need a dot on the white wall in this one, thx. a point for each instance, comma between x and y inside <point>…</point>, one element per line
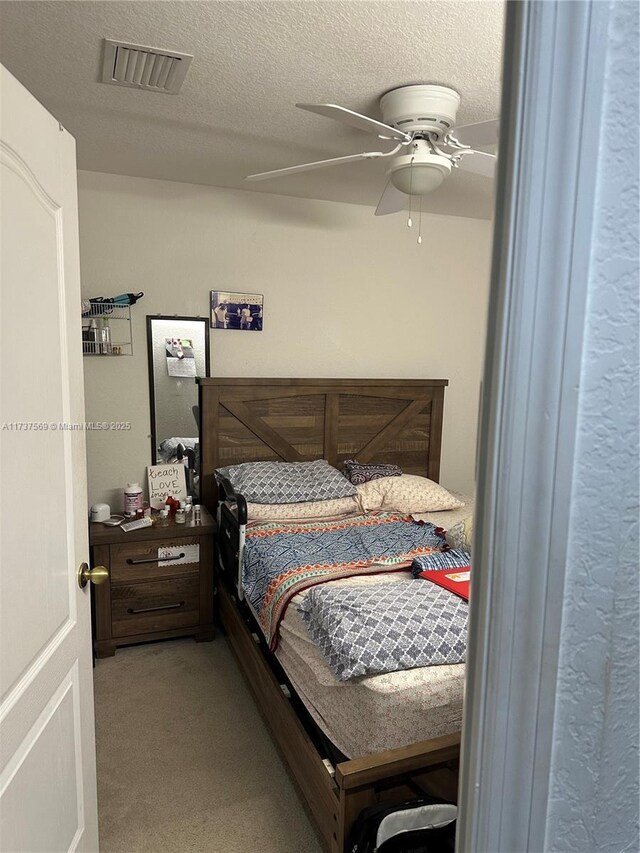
<point>593,797</point>
<point>346,295</point>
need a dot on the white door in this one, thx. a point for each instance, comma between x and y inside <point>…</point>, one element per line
<point>47,751</point>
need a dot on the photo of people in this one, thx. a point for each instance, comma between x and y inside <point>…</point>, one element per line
<point>239,311</point>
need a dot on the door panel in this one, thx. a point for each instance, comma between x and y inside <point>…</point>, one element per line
<point>32,395</point>
<point>47,770</point>
<point>45,784</point>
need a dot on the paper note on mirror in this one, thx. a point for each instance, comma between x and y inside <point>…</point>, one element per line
<point>176,555</point>
<point>181,367</point>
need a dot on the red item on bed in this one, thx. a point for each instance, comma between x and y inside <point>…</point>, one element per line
<point>456,581</point>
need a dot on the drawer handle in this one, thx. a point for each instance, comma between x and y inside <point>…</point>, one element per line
<point>181,556</point>
<point>153,609</point>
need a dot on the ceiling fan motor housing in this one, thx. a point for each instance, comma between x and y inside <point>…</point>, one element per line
<point>422,108</point>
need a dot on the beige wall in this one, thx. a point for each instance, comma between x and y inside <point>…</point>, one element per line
<point>346,295</point>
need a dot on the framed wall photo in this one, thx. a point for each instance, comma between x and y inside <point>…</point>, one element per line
<point>239,311</point>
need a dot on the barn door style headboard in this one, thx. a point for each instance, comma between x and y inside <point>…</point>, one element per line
<point>297,420</point>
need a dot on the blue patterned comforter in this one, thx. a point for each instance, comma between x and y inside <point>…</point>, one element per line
<point>283,558</point>
<point>366,630</point>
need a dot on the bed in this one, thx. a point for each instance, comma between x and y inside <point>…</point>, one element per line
<point>396,421</point>
<point>376,712</point>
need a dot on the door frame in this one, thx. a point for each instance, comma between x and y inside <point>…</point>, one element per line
<point>554,63</point>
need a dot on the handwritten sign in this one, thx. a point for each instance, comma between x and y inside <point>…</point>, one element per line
<point>165,481</point>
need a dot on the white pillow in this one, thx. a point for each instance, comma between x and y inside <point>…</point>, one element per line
<point>461,534</point>
<point>408,493</point>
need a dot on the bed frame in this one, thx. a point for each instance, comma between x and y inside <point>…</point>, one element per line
<point>296,420</point>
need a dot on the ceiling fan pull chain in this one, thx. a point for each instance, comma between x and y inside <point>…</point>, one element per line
<point>420,222</point>
<point>409,220</point>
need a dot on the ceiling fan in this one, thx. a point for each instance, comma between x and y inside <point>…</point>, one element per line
<point>421,120</point>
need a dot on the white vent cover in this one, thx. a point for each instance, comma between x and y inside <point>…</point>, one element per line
<point>140,67</point>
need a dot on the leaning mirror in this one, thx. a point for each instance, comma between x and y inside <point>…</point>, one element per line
<point>178,349</point>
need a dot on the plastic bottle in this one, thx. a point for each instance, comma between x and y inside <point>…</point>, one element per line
<point>197,514</point>
<point>133,500</point>
<point>94,336</point>
<point>106,337</point>
<point>187,506</point>
<point>163,518</point>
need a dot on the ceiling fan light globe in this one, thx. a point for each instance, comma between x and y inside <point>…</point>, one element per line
<point>420,178</point>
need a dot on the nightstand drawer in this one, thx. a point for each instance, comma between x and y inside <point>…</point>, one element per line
<point>139,561</point>
<point>155,606</point>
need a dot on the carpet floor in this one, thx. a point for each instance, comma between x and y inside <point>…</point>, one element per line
<point>185,763</point>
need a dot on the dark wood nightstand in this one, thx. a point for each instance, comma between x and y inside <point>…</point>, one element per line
<point>153,593</point>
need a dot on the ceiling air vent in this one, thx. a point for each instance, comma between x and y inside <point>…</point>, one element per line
<point>140,67</point>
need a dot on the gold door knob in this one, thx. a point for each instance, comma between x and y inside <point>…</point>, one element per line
<point>98,575</point>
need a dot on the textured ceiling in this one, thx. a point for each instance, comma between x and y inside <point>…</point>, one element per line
<point>252,62</point>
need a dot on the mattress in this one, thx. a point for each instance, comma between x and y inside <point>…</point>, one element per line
<point>373,713</point>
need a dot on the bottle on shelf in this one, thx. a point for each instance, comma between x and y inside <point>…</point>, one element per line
<point>94,336</point>
<point>106,337</point>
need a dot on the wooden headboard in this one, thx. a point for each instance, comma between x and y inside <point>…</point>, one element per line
<point>295,420</point>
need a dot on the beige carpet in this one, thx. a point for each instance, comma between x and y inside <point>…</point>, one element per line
<point>185,763</point>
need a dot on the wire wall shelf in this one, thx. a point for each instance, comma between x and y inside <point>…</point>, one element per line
<point>112,348</point>
<point>106,330</point>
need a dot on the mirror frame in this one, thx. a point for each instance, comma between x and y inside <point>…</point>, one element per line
<point>152,394</point>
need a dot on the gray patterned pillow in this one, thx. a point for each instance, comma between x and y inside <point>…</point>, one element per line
<point>363,472</point>
<point>288,482</point>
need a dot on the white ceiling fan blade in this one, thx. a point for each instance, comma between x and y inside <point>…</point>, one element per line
<point>482,133</point>
<point>318,164</point>
<point>479,163</point>
<point>392,200</point>
<point>346,116</point>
